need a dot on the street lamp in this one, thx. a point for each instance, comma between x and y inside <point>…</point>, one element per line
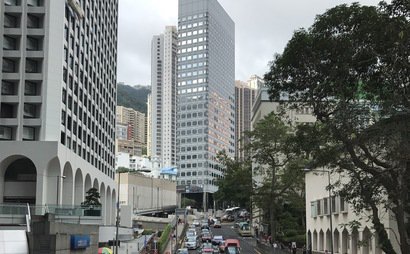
<point>330,203</point>
<point>58,187</point>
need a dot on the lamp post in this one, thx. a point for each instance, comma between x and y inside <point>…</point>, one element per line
<point>117,223</point>
<point>330,204</point>
<point>58,187</point>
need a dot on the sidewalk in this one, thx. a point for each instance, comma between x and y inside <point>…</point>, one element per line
<point>171,245</point>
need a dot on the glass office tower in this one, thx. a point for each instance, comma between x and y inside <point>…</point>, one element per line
<point>206,90</point>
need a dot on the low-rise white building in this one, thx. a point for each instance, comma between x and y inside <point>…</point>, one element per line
<point>345,239</point>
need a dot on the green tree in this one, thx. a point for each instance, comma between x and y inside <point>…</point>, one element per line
<point>277,164</point>
<point>235,188</point>
<point>352,68</point>
<point>92,198</point>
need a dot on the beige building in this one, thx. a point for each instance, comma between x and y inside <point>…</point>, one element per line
<point>245,93</point>
<point>261,108</point>
<point>136,136</point>
<point>141,193</point>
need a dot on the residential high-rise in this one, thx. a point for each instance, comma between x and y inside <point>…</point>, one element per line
<point>245,93</point>
<point>57,103</point>
<point>206,91</point>
<point>163,96</point>
<point>136,130</point>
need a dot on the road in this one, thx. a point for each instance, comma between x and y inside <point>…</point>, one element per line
<point>248,244</point>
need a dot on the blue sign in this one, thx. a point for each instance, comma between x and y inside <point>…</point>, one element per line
<point>79,242</point>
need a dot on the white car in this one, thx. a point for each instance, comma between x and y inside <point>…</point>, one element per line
<point>196,223</point>
<point>192,242</point>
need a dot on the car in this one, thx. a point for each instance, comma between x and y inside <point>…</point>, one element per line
<point>191,232</point>
<point>232,250</point>
<point>232,243</point>
<point>183,251</point>
<point>192,242</point>
<point>206,237</point>
<point>217,240</point>
<point>204,224</point>
<point>217,224</point>
<point>244,229</point>
<point>196,223</point>
<point>208,248</point>
<point>205,230</point>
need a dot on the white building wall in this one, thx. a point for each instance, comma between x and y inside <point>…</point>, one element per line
<point>344,239</point>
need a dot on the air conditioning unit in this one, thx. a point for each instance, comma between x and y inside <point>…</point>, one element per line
<point>76,7</point>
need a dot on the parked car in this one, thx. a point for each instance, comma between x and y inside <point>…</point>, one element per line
<point>192,242</point>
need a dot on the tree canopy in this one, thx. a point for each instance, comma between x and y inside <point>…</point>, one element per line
<point>352,67</point>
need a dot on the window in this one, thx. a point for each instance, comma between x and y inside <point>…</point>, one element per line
<point>343,205</point>
<point>325,206</point>
<point>10,65</point>
<point>34,2</point>
<point>5,133</point>
<point>34,21</point>
<point>8,110</point>
<point>30,111</point>
<point>34,43</point>
<point>10,43</point>
<point>319,207</point>
<point>12,2</point>
<point>334,208</point>
<point>33,65</point>
<point>28,133</point>
<point>31,88</point>
<point>8,88</point>
<point>11,21</point>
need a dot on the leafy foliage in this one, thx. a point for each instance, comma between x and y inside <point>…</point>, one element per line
<point>133,97</point>
<point>236,187</point>
<point>281,169</point>
<point>352,68</point>
<point>92,198</point>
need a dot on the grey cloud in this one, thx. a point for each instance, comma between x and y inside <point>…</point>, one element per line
<point>263,28</point>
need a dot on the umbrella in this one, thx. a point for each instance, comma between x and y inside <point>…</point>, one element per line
<point>104,250</point>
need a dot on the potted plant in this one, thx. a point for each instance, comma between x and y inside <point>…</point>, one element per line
<point>92,199</point>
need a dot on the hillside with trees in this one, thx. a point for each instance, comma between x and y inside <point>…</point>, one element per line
<point>133,97</point>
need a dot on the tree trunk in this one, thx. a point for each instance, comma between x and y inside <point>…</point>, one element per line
<point>272,205</point>
<point>384,241</point>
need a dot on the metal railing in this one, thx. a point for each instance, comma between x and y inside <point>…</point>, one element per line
<point>58,210</point>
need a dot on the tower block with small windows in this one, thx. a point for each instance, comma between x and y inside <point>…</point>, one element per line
<point>57,102</point>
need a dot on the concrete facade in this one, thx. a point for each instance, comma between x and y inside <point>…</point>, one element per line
<point>57,103</point>
<point>345,239</point>
<point>141,193</point>
<point>163,96</point>
<point>49,236</point>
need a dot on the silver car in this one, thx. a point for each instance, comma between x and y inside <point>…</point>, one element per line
<point>192,242</point>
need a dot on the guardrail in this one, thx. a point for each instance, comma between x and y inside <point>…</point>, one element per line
<point>58,210</point>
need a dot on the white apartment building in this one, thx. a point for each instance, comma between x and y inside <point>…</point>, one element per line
<point>57,102</point>
<point>163,96</point>
<point>345,239</point>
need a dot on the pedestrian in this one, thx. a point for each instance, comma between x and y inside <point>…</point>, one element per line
<point>304,249</point>
<point>256,232</point>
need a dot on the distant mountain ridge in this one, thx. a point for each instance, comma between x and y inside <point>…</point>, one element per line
<point>133,97</point>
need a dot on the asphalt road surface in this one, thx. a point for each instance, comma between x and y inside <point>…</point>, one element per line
<point>248,244</point>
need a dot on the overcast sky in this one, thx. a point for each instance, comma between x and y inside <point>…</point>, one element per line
<point>263,28</point>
